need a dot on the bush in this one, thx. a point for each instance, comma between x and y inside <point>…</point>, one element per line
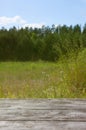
<point>76,73</point>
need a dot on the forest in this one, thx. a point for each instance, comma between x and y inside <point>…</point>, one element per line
<point>46,43</point>
<point>47,62</point>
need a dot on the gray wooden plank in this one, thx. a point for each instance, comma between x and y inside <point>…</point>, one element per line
<point>37,115</point>
<point>51,104</point>
<point>42,114</point>
<point>41,125</point>
<point>43,109</point>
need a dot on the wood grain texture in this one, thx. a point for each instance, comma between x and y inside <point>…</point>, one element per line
<point>41,125</point>
<point>42,114</point>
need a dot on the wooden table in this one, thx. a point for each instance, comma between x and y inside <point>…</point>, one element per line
<point>42,114</point>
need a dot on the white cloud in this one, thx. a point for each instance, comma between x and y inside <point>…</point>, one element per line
<point>11,20</point>
<point>33,25</point>
<point>18,21</point>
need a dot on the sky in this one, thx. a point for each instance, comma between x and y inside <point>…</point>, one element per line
<point>36,13</point>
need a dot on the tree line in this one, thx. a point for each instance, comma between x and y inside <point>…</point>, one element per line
<point>46,43</point>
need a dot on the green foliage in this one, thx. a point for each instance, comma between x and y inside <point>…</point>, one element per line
<point>75,73</point>
<point>47,44</point>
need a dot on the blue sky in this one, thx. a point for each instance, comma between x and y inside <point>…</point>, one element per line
<point>42,12</point>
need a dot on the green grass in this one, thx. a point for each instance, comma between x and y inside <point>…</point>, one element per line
<point>65,79</point>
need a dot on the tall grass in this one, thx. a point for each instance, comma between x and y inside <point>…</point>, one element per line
<point>76,75</point>
<point>64,79</point>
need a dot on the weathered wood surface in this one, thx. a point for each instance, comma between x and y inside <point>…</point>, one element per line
<point>42,114</point>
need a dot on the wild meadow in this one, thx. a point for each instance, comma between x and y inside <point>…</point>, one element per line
<point>47,62</point>
<point>63,79</point>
